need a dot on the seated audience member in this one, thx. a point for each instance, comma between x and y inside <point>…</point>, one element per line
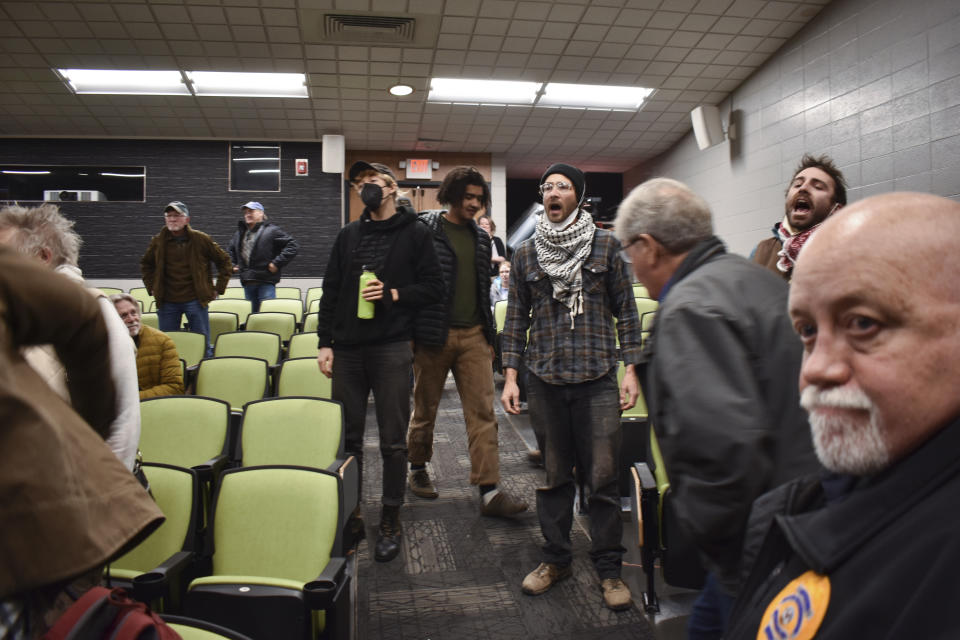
<point>869,550</point>
<point>721,381</point>
<point>158,363</point>
<point>43,233</point>
<point>67,505</point>
<point>500,286</point>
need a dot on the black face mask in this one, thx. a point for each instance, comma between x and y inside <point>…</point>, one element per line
<point>372,195</point>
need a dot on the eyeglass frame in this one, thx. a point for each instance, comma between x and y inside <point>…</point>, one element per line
<point>554,185</point>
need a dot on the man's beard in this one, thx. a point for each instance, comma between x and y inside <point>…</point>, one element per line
<point>844,441</point>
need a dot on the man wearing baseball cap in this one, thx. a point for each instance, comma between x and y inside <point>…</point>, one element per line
<point>363,354</point>
<point>176,272</point>
<point>568,283</point>
<point>259,249</point>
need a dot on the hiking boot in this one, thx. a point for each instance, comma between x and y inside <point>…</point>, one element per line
<point>502,505</point>
<point>421,485</point>
<point>389,535</point>
<point>616,594</point>
<point>543,577</point>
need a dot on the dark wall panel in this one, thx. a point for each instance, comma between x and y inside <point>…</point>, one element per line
<point>116,234</point>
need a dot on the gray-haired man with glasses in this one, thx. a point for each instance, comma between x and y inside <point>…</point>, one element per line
<point>176,272</point>
<point>567,284</point>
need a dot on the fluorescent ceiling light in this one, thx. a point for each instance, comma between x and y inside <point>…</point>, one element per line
<point>26,173</point>
<point>482,91</point>
<point>253,159</point>
<point>256,85</point>
<point>121,175</point>
<point>596,96</point>
<point>263,171</point>
<point>401,90</point>
<point>97,81</point>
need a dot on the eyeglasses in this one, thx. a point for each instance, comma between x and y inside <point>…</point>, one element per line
<point>562,187</point>
<point>173,214</point>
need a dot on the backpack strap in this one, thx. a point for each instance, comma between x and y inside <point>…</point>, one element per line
<point>82,614</point>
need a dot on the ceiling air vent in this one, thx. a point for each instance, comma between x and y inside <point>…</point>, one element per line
<point>337,26</point>
<point>365,28</point>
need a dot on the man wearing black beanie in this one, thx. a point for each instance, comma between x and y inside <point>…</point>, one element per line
<point>567,284</point>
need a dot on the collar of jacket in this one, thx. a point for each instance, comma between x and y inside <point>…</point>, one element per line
<point>875,505</point>
<point>404,216</point>
<point>167,234</point>
<point>434,220</point>
<point>242,226</point>
<point>702,252</point>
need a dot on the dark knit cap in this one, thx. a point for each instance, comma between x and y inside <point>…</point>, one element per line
<point>575,175</point>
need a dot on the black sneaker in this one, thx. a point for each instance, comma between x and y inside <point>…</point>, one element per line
<point>389,535</point>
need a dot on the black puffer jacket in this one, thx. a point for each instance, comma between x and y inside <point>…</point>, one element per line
<point>273,244</point>
<point>433,322</point>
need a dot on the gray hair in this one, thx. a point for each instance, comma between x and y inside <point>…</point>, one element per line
<point>117,297</point>
<point>667,210</point>
<point>43,227</point>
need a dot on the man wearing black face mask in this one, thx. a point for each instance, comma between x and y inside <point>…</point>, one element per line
<point>375,354</point>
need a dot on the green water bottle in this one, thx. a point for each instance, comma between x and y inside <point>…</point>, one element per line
<point>365,307</point>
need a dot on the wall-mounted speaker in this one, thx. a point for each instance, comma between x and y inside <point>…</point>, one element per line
<point>707,127</point>
<point>334,153</point>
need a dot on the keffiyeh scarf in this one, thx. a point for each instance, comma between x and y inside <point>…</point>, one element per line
<point>562,254</point>
<point>792,244</point>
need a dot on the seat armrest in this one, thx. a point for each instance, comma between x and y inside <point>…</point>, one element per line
<point>349,473</point>
<point>323,591</point>
<point>212,468</point>
<point>149,586</point>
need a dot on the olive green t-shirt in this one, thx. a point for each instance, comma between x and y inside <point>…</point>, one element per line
<point>465,312</point>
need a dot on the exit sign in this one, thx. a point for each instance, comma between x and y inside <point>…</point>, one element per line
<point>419,169</point>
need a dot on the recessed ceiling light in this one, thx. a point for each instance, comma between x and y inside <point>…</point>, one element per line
<point>595,96</point>
<point>401,90</point>
<point>119,81</point>
<point>482,91</point>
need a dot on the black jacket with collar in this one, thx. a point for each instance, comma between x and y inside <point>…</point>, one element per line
<point>888,547</point>
<point>409,265</point>
<point>273,244</point>
<point>433,325</point>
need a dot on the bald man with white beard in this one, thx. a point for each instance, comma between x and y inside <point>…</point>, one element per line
<point>869,550</point>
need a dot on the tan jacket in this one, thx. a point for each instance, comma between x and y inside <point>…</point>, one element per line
<point>158,364</point>
<point>66,503</point>
<point>767,254</point>
<point>203,251</point>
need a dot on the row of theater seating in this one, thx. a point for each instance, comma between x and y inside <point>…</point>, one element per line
<point>255,537</point>
<point>148,304</point>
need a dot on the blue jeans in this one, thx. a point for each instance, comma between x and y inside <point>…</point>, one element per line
<point>580,424</point>
<point>385,370</point>
<point>256,292</point>
<point>169,313</point>
<point>711,612</point>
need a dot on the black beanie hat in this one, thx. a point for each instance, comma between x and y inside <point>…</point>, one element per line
<point>576,178</point>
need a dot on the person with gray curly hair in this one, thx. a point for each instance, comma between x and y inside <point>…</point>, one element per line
<point>44,234</point>
<point>721,380</point>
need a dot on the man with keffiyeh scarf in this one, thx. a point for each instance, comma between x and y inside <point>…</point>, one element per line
<point>567,284</point>
<point>818,189</point>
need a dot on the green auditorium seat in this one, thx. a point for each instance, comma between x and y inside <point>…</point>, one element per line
<point>249,344</point>
<point>144,298</point>
<point>233,293</point>
<point>281,323</point>
<point>284,305</point>
<point>659,535</point>
<point>159,568</point>
<point>193,629</point>
<point>279,570</point>
<point>303,345</point>
<point>241,307</point>
<point>302,377</point>
<point>310,322</point>
<point>191,346</point>
<point>233,379</point>
<point>290,293</point>
<point>222,322</point>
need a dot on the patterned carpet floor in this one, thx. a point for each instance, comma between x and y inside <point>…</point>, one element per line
<point>458,575</point>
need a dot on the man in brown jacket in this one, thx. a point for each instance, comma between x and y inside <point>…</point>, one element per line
<point>817,190</point>
<point>176,272</point>
<point>158,363</point>
<point>67,504</point>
